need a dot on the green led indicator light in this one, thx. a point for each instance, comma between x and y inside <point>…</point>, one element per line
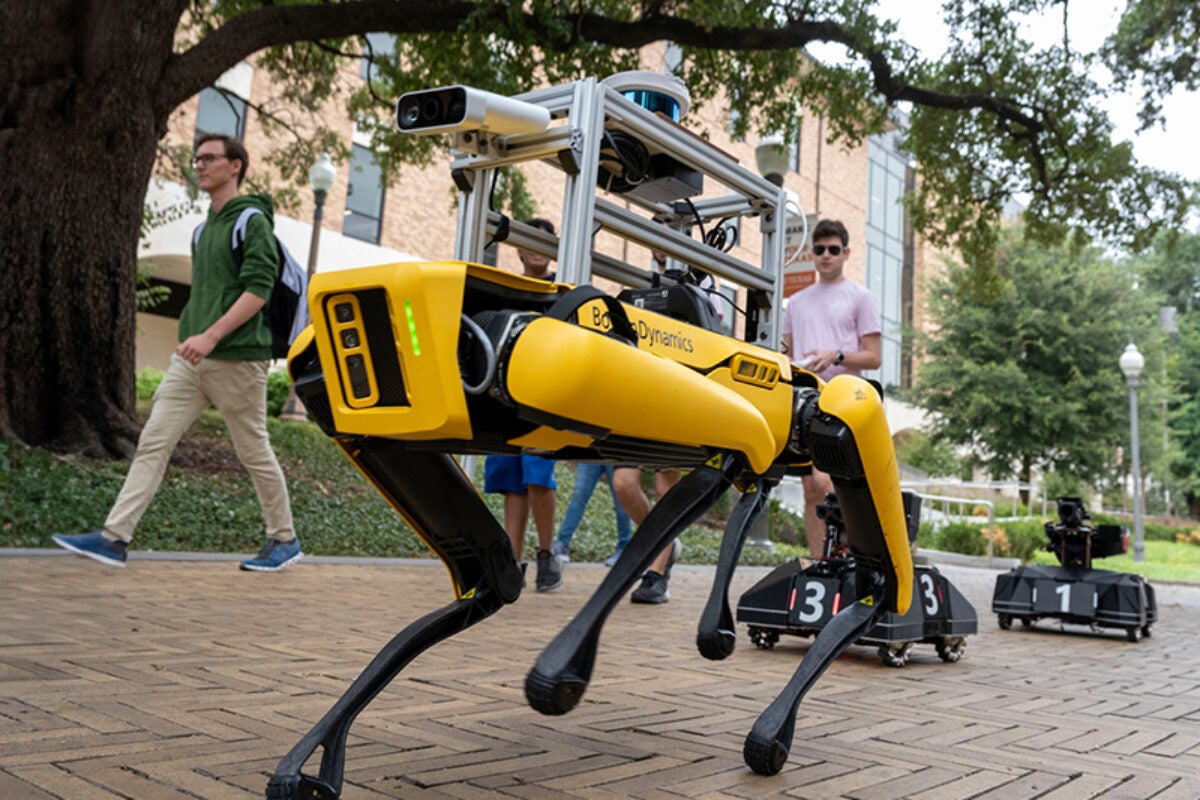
<point>412,328</point>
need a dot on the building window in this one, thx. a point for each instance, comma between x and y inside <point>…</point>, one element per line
<point>220,112</point>
<point>364,197</point>
<point>673,60</point>
<point>889,259</point>
<point>378,46</point>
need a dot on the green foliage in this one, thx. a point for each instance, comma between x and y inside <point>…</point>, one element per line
<point>1025,374</point>
<point>336,511</point>
<point>278,386</point>
<point>993,117</point>
<point>962,537</point>
<point>1171,274</point>
<point>1025,537</point>
<point>1061,482</point>
<point>148,379</point>
<point>923,451</point>
<point>1155,44</point>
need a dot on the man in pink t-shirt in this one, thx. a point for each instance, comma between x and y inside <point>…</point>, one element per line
<point>830,328</point>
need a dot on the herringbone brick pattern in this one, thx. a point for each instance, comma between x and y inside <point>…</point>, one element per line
<point>175,679</point>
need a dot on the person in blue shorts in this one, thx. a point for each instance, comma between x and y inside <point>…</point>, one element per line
<point>527,482</point>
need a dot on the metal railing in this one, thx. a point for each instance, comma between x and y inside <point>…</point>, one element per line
<point>949,503</point>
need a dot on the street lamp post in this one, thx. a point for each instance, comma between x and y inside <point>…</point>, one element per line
<point>321,176</point>
<point>771,157</point>
<point>1132,363</point>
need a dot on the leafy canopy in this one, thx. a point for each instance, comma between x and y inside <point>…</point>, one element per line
<point>1025,375</point>
<point>994,118</point>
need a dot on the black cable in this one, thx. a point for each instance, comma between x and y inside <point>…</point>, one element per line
<point>625,160</point>
<point>502,227</point>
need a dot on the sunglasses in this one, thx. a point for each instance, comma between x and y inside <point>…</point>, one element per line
<point>834,249</point>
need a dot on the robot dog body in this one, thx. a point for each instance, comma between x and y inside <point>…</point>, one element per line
<point>407,363</point>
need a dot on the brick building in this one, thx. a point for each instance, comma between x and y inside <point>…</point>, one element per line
<point>413,216</point>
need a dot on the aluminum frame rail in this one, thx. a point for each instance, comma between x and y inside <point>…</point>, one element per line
<point>581,112</point>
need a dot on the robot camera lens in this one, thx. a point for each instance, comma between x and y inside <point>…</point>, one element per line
<point>431,109</point>
<point>344,312</point>
<point>410,112</point>
<point>350,339</point>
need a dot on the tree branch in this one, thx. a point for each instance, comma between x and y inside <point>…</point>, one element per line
<point>277,25</point>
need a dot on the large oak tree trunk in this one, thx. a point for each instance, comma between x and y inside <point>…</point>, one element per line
<point>77,143</point>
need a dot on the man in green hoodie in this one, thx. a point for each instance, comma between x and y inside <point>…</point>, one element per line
<point>222,361</point>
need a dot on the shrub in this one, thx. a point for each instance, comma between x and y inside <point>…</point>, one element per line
<point>784,525</point>
<point>278,386</point>
<point>959,537</point>
<point>1191,537</point>
<point>148,379</point>
<point>1025,537</point>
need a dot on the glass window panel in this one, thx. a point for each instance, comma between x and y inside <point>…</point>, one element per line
<point>890,307</point>
<point>219,112</point>
<point>381,45</point>
<point>364,199</point>
<point>895,192</point>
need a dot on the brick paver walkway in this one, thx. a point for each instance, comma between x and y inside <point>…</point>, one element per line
<point>178,679</point>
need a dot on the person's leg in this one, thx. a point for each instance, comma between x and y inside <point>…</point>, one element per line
<point>516,518</point>
<point>178,400</point>
<point>541,506</point>
<point>627,485</point>
<point>502,475</point>
<point>239,391</point>
<point>624,524</point>
<point>538,474</point>
<point>664,481</point>
<point>586,476</point>
<point>816,486</point>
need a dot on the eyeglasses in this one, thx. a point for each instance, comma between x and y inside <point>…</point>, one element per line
<point>207,159</point>
<point>834,249</point>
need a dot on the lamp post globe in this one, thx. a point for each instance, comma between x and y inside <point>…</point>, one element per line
<point>1132,362</point>
<point>771,157</point>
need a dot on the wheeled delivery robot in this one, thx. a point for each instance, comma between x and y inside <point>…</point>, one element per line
<point>1075,593</point>
<point>800,601</point>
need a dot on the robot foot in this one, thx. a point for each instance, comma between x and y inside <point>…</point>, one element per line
<point>767,745</point>
<point>715,635</point>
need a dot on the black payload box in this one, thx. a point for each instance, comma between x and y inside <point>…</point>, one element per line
<point>1074,592</point>
<point>800,601</point>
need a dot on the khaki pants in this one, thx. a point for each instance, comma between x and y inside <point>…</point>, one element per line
<point>238,389</point>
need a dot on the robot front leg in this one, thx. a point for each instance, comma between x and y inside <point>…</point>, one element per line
<point>444,509</point>
<point>715,636</point>
<point>330,734</point>
<point>561,674</point>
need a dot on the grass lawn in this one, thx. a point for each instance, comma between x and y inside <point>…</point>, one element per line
<point>207,504</point>
<point>1165,561</point>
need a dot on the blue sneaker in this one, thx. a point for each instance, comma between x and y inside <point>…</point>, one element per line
<point>275,556</point>
<point>93,544</point>
<point>608,562</point>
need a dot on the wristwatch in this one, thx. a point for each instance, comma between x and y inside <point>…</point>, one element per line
<point>840,357</point>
